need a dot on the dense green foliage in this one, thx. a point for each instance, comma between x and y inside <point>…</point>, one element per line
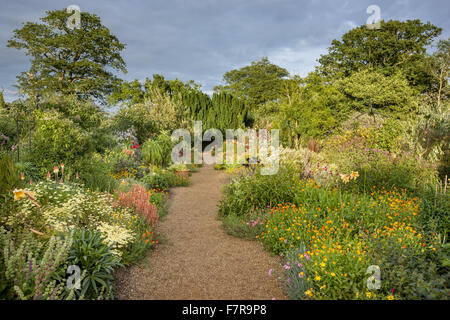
<point>259,83</point>
<point>69,61</point>
<point>363,175</point>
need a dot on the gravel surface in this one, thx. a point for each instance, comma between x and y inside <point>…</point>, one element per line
<point>199,261</point>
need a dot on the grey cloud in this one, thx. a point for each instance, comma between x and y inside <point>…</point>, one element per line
<point>203,39</point>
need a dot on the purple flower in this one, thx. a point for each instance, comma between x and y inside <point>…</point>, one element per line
<point>270,272</point>
<point>13,147</point>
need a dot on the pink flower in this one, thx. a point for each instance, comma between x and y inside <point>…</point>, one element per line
<point>270,272</point>
<point>274,298</point>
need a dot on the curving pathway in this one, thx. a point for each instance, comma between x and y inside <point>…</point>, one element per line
<point>199,261</point>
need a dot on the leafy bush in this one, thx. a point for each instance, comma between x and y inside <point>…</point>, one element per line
<point>29,171</point>
<point>95,174</point>
<point>256,191</point>
<point>164,179</point>
<point>97,262</point>
<point>377,167</point>
<point>165,141</point>
<point>435,213</point>
<point>58,140</point>
<point>9,180</point>
<point>152,153</point>
<point>248,227</point>
<point>31,269</point>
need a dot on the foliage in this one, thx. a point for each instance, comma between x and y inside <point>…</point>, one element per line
<point>57,140</point>
<point>364,151</point>
<point>158,111</point>
<point>222,111</point>
<point>372,92</point>
<point>152,153</point>
<point>164,179</point>
<point>428,134</point>
<point>256,191</point>
<point>9,180</point>
<point>90,254</point>
<point>248,227</point>
<point>31,269</point>
<point>395,46</point>
<point>69,61</point>
<point>258,83</point>
<point>312,108</point>
<point>342,234</point>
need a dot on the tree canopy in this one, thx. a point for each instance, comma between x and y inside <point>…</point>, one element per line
<point>395,46</point>
<point>258,83</point>
<point>78,61</point>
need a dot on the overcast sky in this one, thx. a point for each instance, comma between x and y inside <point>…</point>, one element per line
<point>203,39</point>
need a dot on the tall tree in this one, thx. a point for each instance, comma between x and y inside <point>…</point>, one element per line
<point>78,61</point>
<point>258,83</point>
<point>440,69</point>
<point>396,45</point>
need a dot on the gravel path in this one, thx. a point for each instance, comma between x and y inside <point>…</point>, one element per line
<point>199,260</point>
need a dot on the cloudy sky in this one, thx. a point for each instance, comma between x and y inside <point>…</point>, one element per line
<point>203,39</point>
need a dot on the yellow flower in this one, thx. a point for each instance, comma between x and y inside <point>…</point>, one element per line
<point>18,194</point>
<point>318,278</point>
<point>21,193</point>
<point>368,294</point>
<point>322,265</point>
<point>345,178</point>
<point>354,175</point>
<point>390,297</point>
<point>333,274</point>
<point>309,293</point>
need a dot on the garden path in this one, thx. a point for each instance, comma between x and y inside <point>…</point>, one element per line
<point>199,260</point>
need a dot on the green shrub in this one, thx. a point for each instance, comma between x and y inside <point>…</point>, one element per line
<point>256,191</point>
<point>29,170</point>
<point>94,174</point>
<point>58,140</point>
<point>9,180</point>
<point>248,227</point>
<point>164,179</point>
<point>95,259</point>
<point>413,274</point>
<point>32,269</point>
<point>165,141</point>
<point>378,167</point>
<point>152,153</point>
<point>435,210</point>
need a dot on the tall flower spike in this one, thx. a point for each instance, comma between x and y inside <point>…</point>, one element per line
<point>55,171</point>
<point>48,175</point>
<point>22,176</point>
